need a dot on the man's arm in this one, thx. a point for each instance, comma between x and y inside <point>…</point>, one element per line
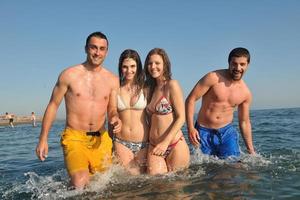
<point>49,116</point>
<point>112,112</point>
<point>245,123</point>
<point>198,91</point>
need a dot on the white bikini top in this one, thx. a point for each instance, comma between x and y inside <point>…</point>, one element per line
<point>140,104</point>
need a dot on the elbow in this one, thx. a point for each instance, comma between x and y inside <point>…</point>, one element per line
<point>181,119</point>
<point>187,101</point>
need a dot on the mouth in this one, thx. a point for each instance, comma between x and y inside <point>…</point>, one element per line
<point>129,75</point>
<point>236,74</point>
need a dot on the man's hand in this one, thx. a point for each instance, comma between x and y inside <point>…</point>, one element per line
<point>42,150</point>
<point>116,124</point>
<point>194,136</point>
<point>251,151</point>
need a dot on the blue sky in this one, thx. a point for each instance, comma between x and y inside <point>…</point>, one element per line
<point>38,39</point>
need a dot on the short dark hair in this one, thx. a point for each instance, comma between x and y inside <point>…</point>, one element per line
<point>95,34</point>
<point>239,52</point>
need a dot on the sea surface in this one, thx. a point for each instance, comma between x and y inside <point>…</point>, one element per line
<point>274,173</point>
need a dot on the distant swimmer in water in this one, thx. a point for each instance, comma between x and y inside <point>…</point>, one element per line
<point>87,89</point>
<point>221,92</point>
<point>33,119</point>
<point>10,118</point>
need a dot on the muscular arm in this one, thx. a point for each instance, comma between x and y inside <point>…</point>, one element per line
<point>198,91</point>
<point>49,116</point>
<point>112,112</point>
<point>245,123</point>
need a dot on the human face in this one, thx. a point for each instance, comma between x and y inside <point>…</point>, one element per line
<point>237,67</point>
<point>96,51</point>
<point>129,68</point>
<point>156,66</point>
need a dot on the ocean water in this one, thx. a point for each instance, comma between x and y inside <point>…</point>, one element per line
<point>273,174</point>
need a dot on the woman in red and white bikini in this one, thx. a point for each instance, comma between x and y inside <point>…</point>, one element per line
<point>168,150</point>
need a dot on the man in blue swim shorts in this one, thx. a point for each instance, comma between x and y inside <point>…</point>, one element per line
<point>221,92</point>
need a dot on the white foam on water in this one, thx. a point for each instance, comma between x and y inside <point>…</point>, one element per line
<point>56,186</point>
<point>247,160</point>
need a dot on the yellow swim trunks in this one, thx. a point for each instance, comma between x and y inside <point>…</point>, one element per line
<point>86,152</point>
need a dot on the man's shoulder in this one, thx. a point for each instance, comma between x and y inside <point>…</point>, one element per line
<point>69,70</point>
<point>110,75</point>
<point>213,76</point>
<point>70,73</point>
<point>72,69</point>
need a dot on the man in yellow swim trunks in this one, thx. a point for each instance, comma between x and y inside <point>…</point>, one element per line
<point>88,92</point>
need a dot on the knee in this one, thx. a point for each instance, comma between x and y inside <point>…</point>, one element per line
<point>79,181</point>
<point>157,170</point>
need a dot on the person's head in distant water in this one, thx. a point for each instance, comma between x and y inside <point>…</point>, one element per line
<point>96,48</point>
<point>130,68</point>
<point>238,60</point>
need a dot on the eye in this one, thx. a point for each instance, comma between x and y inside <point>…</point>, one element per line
<point>92,47</point>
<point>124,67</point>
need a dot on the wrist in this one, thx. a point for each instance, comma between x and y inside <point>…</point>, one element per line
<point>251,151</point>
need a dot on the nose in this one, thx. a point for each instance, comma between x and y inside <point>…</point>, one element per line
<point>97,52</point>
<point>151,65</point>
<point>237,67</point>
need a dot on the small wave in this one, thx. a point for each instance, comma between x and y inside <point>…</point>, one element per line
<point>247,160</point>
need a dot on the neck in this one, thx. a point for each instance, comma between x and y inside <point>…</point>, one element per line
<point>129,83</point>
<point>89,67</point>
<point>160,81</point>
<point>131,88</point>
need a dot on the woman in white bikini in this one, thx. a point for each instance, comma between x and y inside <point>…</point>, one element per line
<point>168,150</point>
<point>131,144</point>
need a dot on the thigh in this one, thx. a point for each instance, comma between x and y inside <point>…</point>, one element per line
<point>123,154</point>
<point>206,142</point>
<point>230,144</point>
<point>101,158</point>
<point>179,157</point>
<point>75,157</point>
<point>156,164</point>
<point>141,157</point>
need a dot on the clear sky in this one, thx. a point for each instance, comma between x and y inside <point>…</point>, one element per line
<point>38,39</point>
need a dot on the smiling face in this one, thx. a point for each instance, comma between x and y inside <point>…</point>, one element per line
<point>129,69</point>
<point>156,66</point>
<point>96,51</point>
<point>237,67</point>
